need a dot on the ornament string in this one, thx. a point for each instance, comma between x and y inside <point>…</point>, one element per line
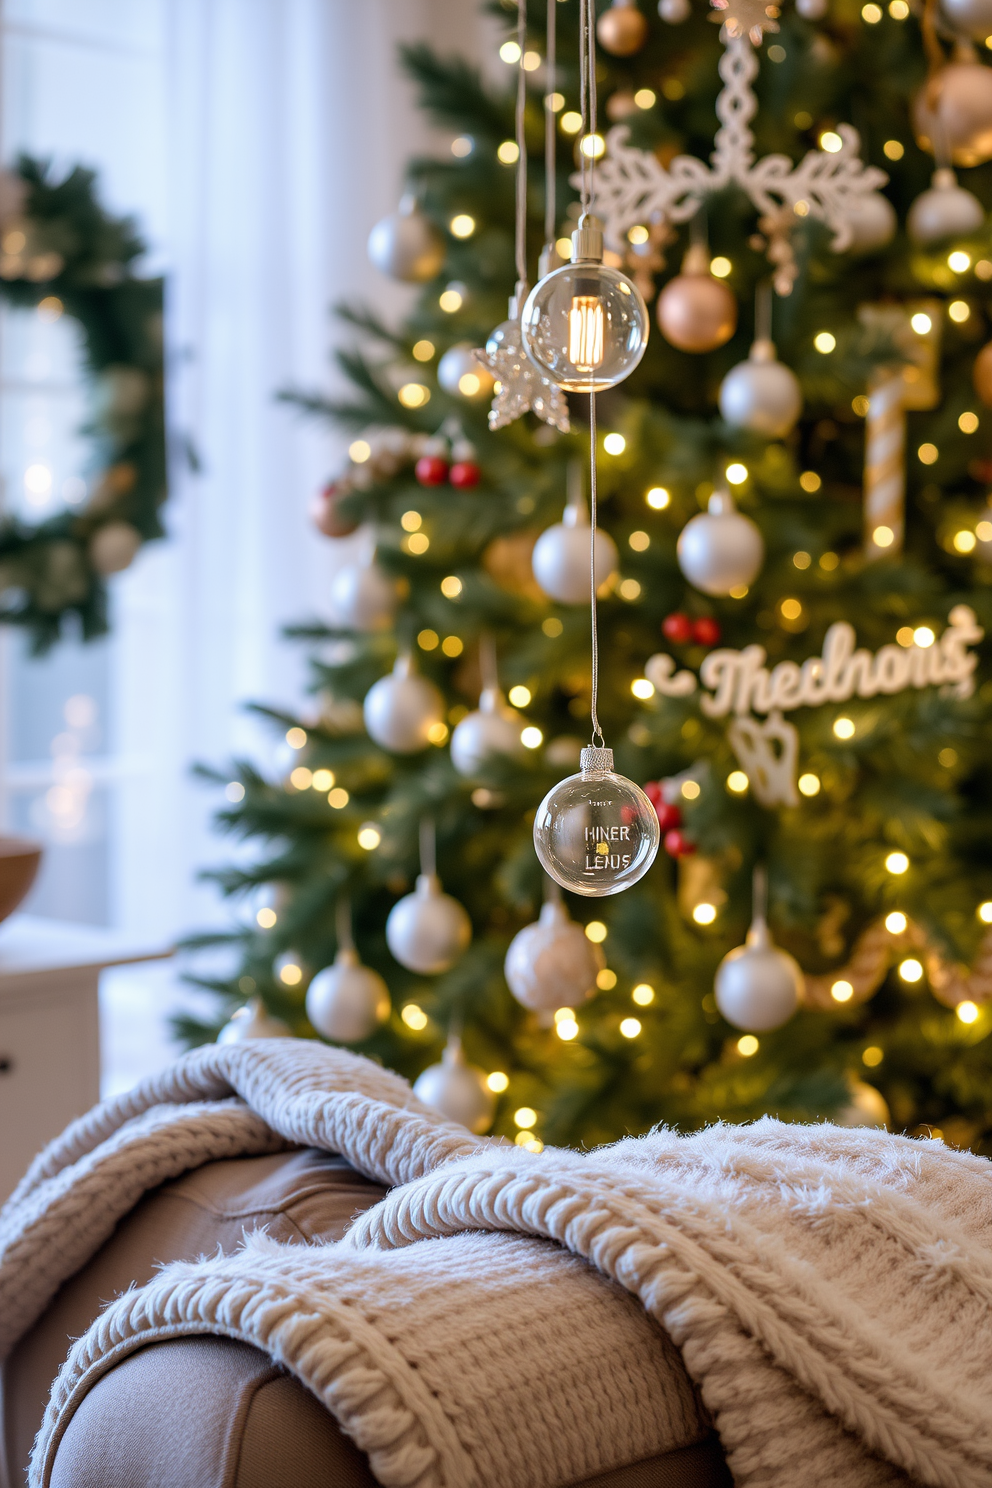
<point>342,923</point>
<point>597,733</point>
<point>521,223</point>
<point>550,139</point>
<point>759,894</point>
<point>763,311</point>
<point>428,848</point>
<point>587,104</point>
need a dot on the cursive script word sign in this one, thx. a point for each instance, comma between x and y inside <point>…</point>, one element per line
<point>739,682</point>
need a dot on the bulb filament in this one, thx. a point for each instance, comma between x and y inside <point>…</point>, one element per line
<point>586,332</point>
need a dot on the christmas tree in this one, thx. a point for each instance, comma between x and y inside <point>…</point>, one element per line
<point>794,556</point>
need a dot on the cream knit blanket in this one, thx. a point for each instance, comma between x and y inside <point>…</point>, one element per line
<point>830,1290</point>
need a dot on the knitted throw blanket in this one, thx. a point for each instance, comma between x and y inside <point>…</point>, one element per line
<point>830,1290</point>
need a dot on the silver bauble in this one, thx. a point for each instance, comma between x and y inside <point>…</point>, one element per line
<point>492,729</point>
<point>952,112</point>
<point>720,549</point>
<point>867,1107</point>
<point>346,1002</point>
<point>552,963</point>
<point>944,210</point>
<point>758,986</point>
<point>427,930</point>
<point>460,373</point>
<point>873,221</point>
<point>406,245</point>
<point>252,1022</point>
<point>969,17</point>
<point>674,12</point>
<point>761,394</point>
<point>362,597</point>
<point>402,709</point>
<point>812,10</point>
<point>560,560</point>
<point>113,546</point>
<point>458,1090</point>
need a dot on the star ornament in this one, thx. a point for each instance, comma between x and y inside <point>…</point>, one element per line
<point>750,17</point>
<point>520,388</point>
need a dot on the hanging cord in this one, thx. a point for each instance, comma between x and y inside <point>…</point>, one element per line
<point>763,311</point>
<point>759,893</point>
<point>587,84</point>
<point>521,224</point>
<point>428,848</point>
<point>342,921</point>
<point>597,733</point>
<point>488,668</point>
<point>550,138</point>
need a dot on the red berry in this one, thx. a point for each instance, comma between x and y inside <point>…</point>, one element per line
<point>669,817</point>
<point>654,792</point>
<point>677,845</point>
<point>431,470</point>
<point>706,631</point>
<point>465,474</point>
<point>677,628</point>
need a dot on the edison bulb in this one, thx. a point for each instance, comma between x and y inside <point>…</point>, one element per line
<point>596,833</point>
<point>585,326</point>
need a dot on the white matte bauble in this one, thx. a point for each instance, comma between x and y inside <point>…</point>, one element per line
<point>560,560</point>
<point>252,1022</point>
<point>812,10</point>
<point>873,221</point>
<point>113,547</point>
<point>674,12</point>
<point>402,709</point>
<point>460,373</point>
<point>867,1107</point>
<point>427,930</point>
<point>458,1090</point>
<point>969,17</point>
<point>492,729</point>
<point>953,109</point>
<point>944,210</point>
<point>720,549</point>
<point>346,1002</point>
<point>695,311</point>
<point>761,394</point>
<point>757,986</point>
<point>552,963</point>
<point>406,245</point>
<point>362,597</point>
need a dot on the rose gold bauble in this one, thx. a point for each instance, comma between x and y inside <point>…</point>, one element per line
<point>326,514</point>
<point>695,311</point>
<point>622,30</point>
<point>981,375</point>
<point>952,113</point>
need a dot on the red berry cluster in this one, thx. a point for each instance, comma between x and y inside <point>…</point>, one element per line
<point>434,470</point>
<point>674,840</point>
<point>680,629</point>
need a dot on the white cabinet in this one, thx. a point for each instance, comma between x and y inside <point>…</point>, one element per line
<point>50,1030</point>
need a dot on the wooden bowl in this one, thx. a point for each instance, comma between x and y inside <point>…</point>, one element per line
<point>19,859</point>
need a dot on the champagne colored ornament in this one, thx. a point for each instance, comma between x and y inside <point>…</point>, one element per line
<point>552,963</point>
<point>720,550</point>
<point>457,1089</point>
<point>981,374</point>
<point>674,12</point>
<point>873,222</point>
<point>562,553</point>
<point>428,931</point>
<point>362,597</point>
<point>972,18</point>
<point>252,1022</point>
<point>461,373</point>
<point>952,113</point>
<point>866,1107</point>
<point>596,833</point>
<point>944,210</point>
<point>762,394</point>
<point>406,245</point>
<point>326,514</point>
<point>113,547</point>
<point>493,729</point>
<point>695,311</point>
<point>757,986</point>
<point>402,709</point>
<point>623,29</point>
<point>346,1002</point>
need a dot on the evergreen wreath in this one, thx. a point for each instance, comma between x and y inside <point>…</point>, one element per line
<point>60,251</point>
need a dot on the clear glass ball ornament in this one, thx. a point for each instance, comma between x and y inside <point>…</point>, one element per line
<point>596,833</point>
<point>585,326</point>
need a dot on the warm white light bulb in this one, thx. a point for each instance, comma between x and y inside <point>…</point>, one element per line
<point>586,332</point>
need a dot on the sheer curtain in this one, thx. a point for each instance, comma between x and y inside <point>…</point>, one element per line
<point>287,124</point>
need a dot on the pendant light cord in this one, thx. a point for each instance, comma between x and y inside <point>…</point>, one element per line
<point>550,138</point>
<point>587,85</point>
<point>521,224</point>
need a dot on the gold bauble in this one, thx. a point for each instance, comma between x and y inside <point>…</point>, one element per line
<point>695,311</point>
<point>953,110</point>
<point>981,375</point>
<point>622,30</point>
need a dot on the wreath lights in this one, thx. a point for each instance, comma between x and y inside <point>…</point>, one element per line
<point>61,253</point>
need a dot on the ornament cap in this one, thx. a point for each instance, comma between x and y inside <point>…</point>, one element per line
<point>596,761</point>
<point>428,886</point>
<point>697,259</point>
<point>452,1055</point>
<point>553,912</point>
<point>943,179</point>
<point>762,350</point>
<point>347,956</point>
<point>549,260</point>
<point>587,240</point>
<point>720,503</point>
<point>515,303</point>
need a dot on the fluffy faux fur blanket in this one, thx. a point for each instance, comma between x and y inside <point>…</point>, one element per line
<point>830,1290</point>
